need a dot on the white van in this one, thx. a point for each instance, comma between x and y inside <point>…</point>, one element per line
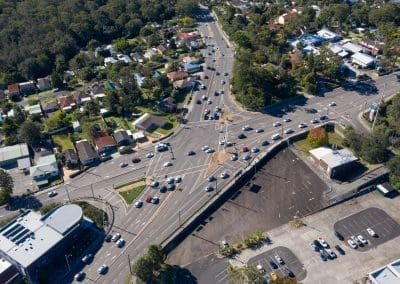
<point>276,136</point>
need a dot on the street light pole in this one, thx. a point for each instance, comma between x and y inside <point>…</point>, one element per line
<point>66,190</point>
<point>91,187</point>
<point>179,217</point>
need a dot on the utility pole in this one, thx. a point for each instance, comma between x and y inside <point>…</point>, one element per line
<point>130,265</point>
<point>179,217</point>
<point>379,104</point>
<point>91,187</point>
<point>66,190</point>
<point>282,129</point>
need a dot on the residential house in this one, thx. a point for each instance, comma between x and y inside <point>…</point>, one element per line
<point>124,58</point>
<point>139,79</point>
<point>49,107</point>
<point>109,61</point>
<point>104,143</point>
<point>13,91</point>
<point>148,122</point>
<point>285,17</point>
<point>34,110</point>
<point>71,158</point>
<point>138,136</point>
<point>137,56</point>
<point>177,75</point>
<point>328,35</point>
<point>187,37</point>
<point>97,91</point>
<point>168,104</point>
<point>43,84</point>
<point>81,97</point>
<point>161,49</point>
<point>110,49</point>
<point>10,155</point>
<point>150,53</point>
<point>190,60</point>
<point>66,103</point>
<point>27,88</point>
<point>187,83</point>
<point>375,47</point>
<point>156,74</point>
<point>191,68</point>
<point>76,126</point>
<point>45,171</point>
<point>353,48</point>
<point>86,153</point>
<point>122,137</point>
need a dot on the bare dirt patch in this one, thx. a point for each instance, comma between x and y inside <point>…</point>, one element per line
<point>217,159</point>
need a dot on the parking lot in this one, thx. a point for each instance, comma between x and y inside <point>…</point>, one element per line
<point>22,182</point>
<point>378,220</point>
<point>272,198</point>
<point>290,261</point>
<point>210,269</point>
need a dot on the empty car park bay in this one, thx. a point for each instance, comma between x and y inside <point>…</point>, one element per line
<point>385,227</point>
<point>282,188</point>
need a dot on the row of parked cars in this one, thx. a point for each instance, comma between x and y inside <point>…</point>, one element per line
<point>324,250</point>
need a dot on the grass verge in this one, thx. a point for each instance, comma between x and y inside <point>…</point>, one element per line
<point>63,141</point>
<point>131,194</point>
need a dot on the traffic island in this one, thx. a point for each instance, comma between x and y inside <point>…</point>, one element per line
<point>131,191</point>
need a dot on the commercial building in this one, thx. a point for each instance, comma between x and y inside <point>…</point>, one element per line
<point>329,35</point>
<point>389,274</point>
<point>335,163</point>
<point>10,155</point>
<point>32,241</point>
<point>363,60</point>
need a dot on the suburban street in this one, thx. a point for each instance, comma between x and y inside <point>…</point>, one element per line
<point>151,224</point>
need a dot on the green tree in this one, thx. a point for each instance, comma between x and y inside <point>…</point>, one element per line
<point>149,263</point>
<point>4,197</point>
<point>317,137</point>
<point>30,133</point>
<point>111,102</point>
<point>156,255</point>
<point>253,275</point>
<point>353,139</point>
<point>6,181</point>
<point>186,7</point>
<point>57,121</point>
<point>394,167</point>
<point>373,148</point>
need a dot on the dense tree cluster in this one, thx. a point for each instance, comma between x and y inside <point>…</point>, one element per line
<point>39,39</point>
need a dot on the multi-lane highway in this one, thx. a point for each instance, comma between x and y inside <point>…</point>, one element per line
<point>153,223</point>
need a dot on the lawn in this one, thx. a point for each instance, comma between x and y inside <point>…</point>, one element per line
<point>131,194</point>
<point>334,139</point>
<point>86,127</point>
<point>63,141</point>
<point>121,122</point>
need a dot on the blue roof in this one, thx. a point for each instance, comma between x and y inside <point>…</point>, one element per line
<point>308,39</point>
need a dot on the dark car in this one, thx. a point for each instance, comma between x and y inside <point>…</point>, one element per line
<point>191,153</point>
<point>340,250</point>
<point>107,238</point>
<point>163,189</point>
<point>339,236</point>
<point>323,255</point>
<point>217,73</point>
<point>171,187</point>
<point>136,160</point>
<point>318,244</point>
<point>216,93</point>
<point>198,102</point>
<point>149,199</point>
<point>241,136</point>
<point>288,272</point>
<point>323,117</point>
<point>273,264</point>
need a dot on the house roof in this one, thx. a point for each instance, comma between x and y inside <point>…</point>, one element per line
<point>85,150</point>
<point>66,101</point>
<point>177,75</point>
<point>146,120</point>
<point>70,155</point>
<point>81,97</point>
<point>327,34</point>
<point>13,88</point>
<point>333,158</point>
<point>188,36</point>
<point>104,141</point>
<point>43,83</point>
<point>14,152</point>
<point>49,105</point>
<point>362,59</point>
<point>35,109</point>
<point>121,135</point>
<point>44,165</point>
<point>353,48</point>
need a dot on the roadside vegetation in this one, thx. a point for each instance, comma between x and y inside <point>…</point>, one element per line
<point>250,241</point>
<point>6,186</point>
<point>318,137</point>
<point>97,215</point>
<point>130,195</point>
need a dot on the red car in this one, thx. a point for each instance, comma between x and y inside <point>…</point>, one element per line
<point>205,77</point>
<point>245,149</point>
<point>136,160</point>
<point>149,199</point>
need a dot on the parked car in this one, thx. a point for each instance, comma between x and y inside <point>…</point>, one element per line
<point>123,165</point>
<point>102,269</point>
<point>287,272</point>
<point>224,175</point>
<point>154,184</point>
<point>211,178</point>
<point>352,244</point>
<point>210,150</point>
<point>371,232</point>
<point>209,188</point>
<point>276,136</point>
<point>323,117</point>
<point>246,128</point>
<point>204,148</point>
<point>276,124</point>
<point>178,179</point>
<point>234,157</point>
<point>302,125</point>
<point>323,243</point>
<point>246,157</point>
<point>138,204</point>
<point>148,199</point>
<point>155,200</point>
<point>332,104</point>
<point>52,193</point>
<point>87,258</point>
<point>264,143</point>
<point>167,164</point>
<point>115,237</point>
<point>171,187</point>
<point>108,238</point>
<point>245,149</point>
<point>323,254</point>
<point>332,255</point>
<point>362,240</point>
<point>259,130</point>
<point>279,259</point>
<point>191,153</point>
<point>273,264</point>
<point>241,136</point>
<point>314,247</point>
<point>288,131</point>
<point>318,245</point>
<point>79,276</point>
<point>340,250</point>
<point>339,236</point>
<point>170,180</point>
<point>136,160</point>
<point>255,150</point>
<point>120,243</point>
<point>313,121</point>
<point>287,120</point>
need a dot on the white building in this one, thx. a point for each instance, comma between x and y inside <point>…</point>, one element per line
<point>363,60</point>
<point>124,58</point>
<point>328,35</point>
<point>389,274</point>
<point>353,48</point>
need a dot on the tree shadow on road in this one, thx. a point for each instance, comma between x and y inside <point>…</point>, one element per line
<point>175,274</point>
<point>23,202</point>
<point>366,88</point>
<point>284,108</point>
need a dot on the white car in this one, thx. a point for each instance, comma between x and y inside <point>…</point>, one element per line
<point>116,237</point>
<point>138,204</point>
<point>255,150</point>
<point>278,259</point>
<point>52,193</point>
<point>371,232</point>
<point>123,165</point>
<point>276,124</point>
<point>102,269</point>
<point>362,240</point>
<point>352,244</point>
<point>234,157</point>
<point>323,242</point>
<point>224,175</point>
<point>204,148</point>
<point>221,142</point>
<point>287,120</point>
<point>302,125</point>
<point>204,97</point>
<point>167,164</point>
<point>178,179</point>
<point>276,136</point>
<point>154,184</point>
<point>288,131</point>
<point>332,255</point>
<point>120,243</point>
<point>86,258</point>
<point>313,121</point>
<point>170,180</point>
<point>150,155</point>
<point>355,240</point>
<point>246,128</point>
<point>332,104</point>
<point>259,130</point>
<point>210,150</point>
